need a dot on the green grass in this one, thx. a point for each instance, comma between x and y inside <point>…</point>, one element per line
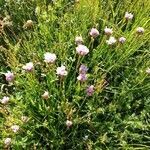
<point>116,116</point>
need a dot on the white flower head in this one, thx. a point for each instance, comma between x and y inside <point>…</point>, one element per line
<point>128,16</point>
<point>111,41</point>
<point>140,30</point>
<point>108,31</point>
<point>94,32</point>
<point>148,70</point>
<point>61,71</point>
<point>78,40</point>
<point>122,40</point>
<point>7,141</point>
<point>4,100</point>
<point>28,67</point>
<point>28,24</point>
<point>9,76</point>
<point>15,128</point>
<point>82,50</point>
<point>45,95</point>
<point>49,57</point>
<point>82,77</point>
<point>69,123</point>
<point>83,69</point>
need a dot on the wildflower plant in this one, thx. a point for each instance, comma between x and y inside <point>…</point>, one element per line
<point>59,91</point>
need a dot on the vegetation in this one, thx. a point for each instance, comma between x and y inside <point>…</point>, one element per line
<point>106,106</point>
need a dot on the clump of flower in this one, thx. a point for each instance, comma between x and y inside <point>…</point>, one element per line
<point>82,77</point>
<point>122,40</point>
<point>49,57</point>
<point>140,30</point>
<point>28,24</point>
<point>82,73</point>
<point>90,90</point>
<point>83,69</point>
<point>148,70</point>
<point>15,128</point>
<point>61,71</point>
<point>128,16</point>
<point>28,67</point>
<point>69,123</point>
<point>79,40</point>
<point>111,41</point>
<point>9,76</point>
<point>108,31</point>
<point>24,119</point>
<point>45,95</point>
<point>4,100</point>
<point>7,141</point>
<point>82,50</point>
<point>94,33</point>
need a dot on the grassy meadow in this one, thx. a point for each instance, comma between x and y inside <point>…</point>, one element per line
<point>75,74</point>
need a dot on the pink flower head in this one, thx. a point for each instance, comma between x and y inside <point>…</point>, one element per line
<point>83,69</point>
<point>15,128</point>
<point>108,31</point>
<point>111,41</point>
<point>82,77</point>
<point>45,95</point>
<point>122,40</point>
<point>79,40</point>
<point>128,16</point>
<point>69,123</point>
<point>140,30</point>
<point>9,76</point>
<point>7,141</point>
<point>90,90</point>
<point>4,100</point>
<point>28,67</point>
<point>82,50</point>
<point>94,32</point>
<point>49,57</point>
<point>61,71</point>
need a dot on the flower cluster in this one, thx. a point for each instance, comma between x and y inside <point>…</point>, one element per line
<point>90,90</point>
<point>82,73</point>
<point>61,71</point>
